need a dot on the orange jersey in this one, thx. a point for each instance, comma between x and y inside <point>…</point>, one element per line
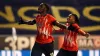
<point>44,28</point>
<point>70,39</point>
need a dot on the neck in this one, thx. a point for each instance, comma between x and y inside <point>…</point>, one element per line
<point>43,14</point>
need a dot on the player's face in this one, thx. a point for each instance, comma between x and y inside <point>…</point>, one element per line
<point>41,8</point>
<point>71,19</point>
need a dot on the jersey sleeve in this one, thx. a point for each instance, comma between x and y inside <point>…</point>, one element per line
<point>52,19</point>
<point>77,29</point>
<point>74,27</point>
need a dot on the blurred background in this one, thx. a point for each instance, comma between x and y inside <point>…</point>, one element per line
<point>11,11</point>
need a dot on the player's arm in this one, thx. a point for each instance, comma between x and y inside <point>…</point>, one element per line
<point>59,30</point>
<point>59,25</point>
<point>83,33</point>
<point>76,28</point>
<point>27,22</point>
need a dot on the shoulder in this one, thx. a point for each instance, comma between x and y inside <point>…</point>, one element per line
<point>51,18</point>
<point>75,25</point>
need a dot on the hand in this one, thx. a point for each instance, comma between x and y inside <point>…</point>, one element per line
<point>21,21</point>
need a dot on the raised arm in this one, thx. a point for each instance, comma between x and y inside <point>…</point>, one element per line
<point>27,22</point>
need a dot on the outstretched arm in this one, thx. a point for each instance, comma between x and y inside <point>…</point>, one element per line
<point>60,25</point>
<point>27,22</point>
<point>58,30</point>
<point>83,33</point>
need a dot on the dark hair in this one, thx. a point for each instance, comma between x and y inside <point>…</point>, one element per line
<point>46,5</point>
<point>76,18</point>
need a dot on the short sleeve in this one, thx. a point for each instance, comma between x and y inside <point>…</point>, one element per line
<point>74,27</point>
<point>51,18</point>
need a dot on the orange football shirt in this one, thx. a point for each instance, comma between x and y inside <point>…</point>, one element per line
<point>70,39</point>
<point>44,28</point>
